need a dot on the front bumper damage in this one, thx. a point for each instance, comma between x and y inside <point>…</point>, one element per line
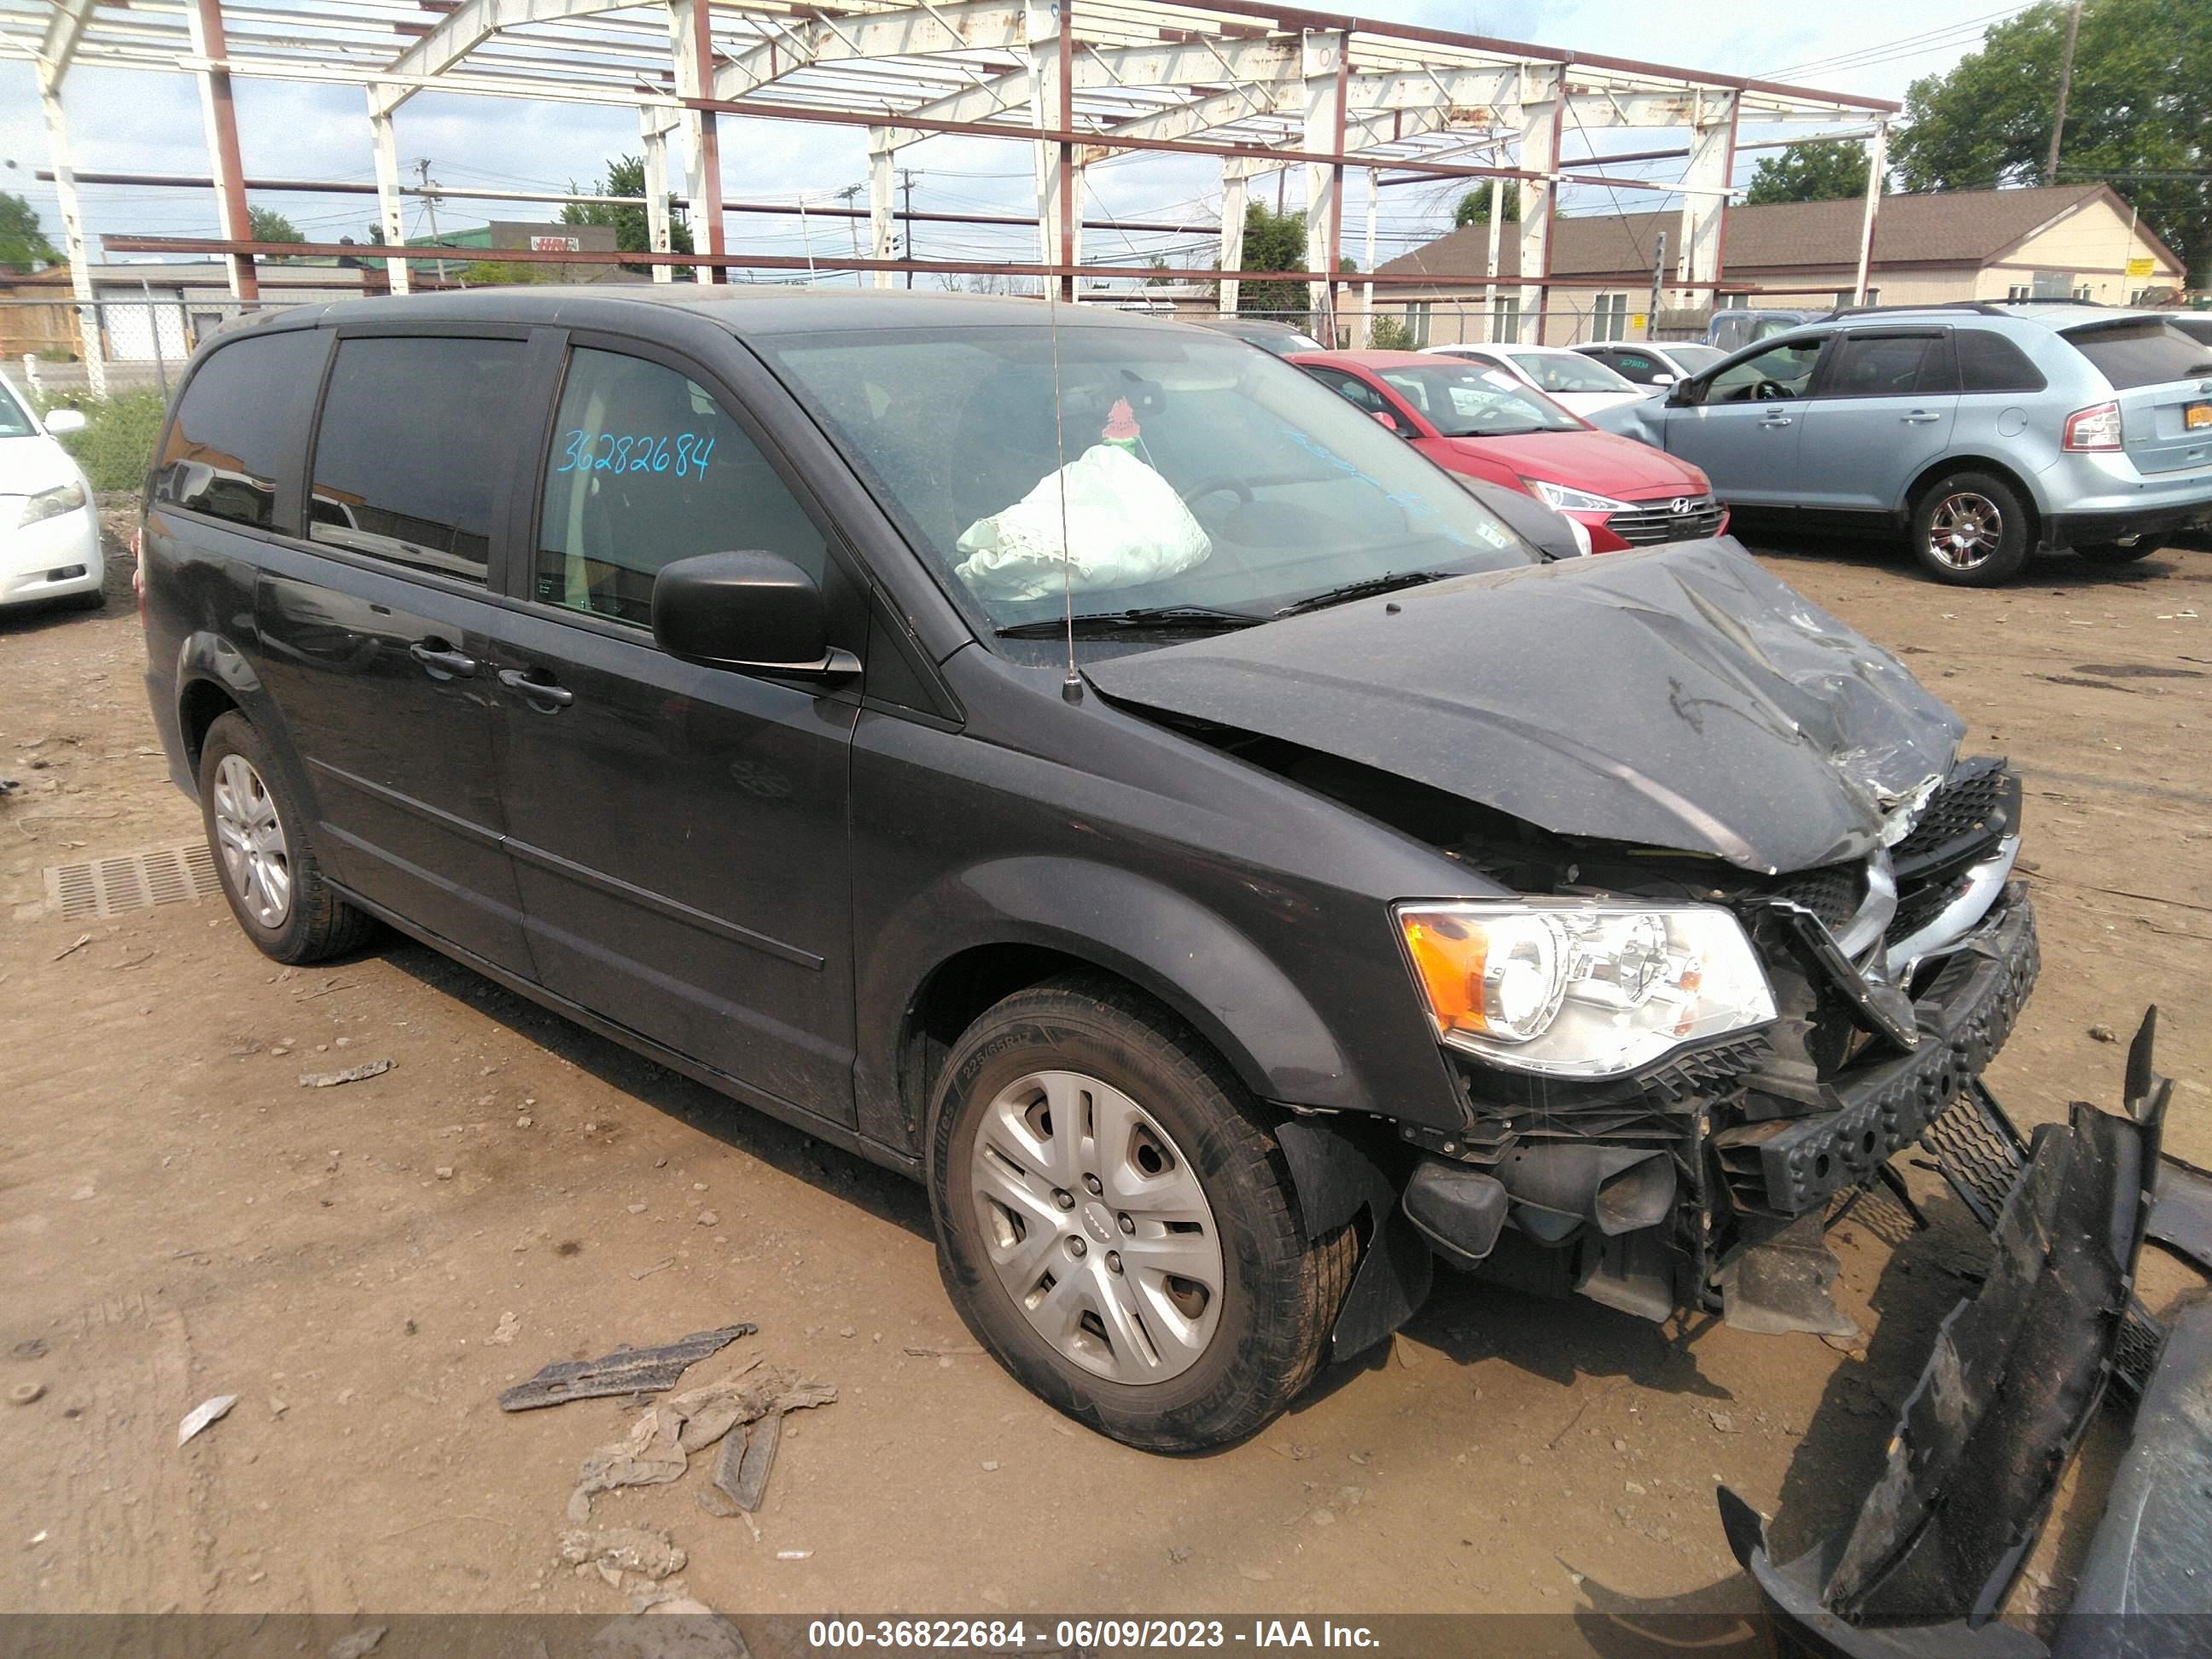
<point>2018,1372</point>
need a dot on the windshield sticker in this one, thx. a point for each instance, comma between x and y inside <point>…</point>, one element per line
<point>683,453</point>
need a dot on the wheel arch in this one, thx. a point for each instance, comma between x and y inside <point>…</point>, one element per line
<point>1020,921</point>
<point>1973,462</point>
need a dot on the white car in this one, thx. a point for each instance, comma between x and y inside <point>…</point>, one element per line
<point>49,537</point>
<point>1648,364</point>
<point>1573,381</point>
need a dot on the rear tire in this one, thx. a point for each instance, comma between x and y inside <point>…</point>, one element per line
<point>1160,1152</point>
<point>1971,530</point>
<point>2113,553</point>
<point>268,867</point>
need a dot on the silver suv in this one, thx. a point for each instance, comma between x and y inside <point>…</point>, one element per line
<point>1983,431</point>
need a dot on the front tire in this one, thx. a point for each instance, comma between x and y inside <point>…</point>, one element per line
<point>269,870</point>
<point>1971,530</point>
<point>1116,1224</point>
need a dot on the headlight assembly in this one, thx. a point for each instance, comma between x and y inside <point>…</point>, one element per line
<point>53,503</point>
<point>1563,498</point>
<point>1582,988</point>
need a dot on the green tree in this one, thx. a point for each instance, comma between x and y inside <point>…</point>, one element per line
<point>2135,113</point>
<point>633,231</point>
<point>1473,208</point>
<point>267,225</point>
<point>1273,241</point>
<point>1829,171</point>
<point>22,243</point>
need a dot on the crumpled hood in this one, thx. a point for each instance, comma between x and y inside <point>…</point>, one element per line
<point>1680,698</point>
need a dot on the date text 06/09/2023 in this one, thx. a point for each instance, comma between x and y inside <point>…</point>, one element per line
<point>1085,1635</point>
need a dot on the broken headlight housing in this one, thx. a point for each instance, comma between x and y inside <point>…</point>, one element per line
<point>1582,988</point>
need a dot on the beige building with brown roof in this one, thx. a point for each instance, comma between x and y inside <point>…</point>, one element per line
<point>2070,241</point>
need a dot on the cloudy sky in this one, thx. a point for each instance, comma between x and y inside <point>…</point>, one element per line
<point>143,122</point>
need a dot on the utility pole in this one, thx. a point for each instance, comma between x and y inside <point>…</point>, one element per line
<point>906,188</point>
<point>846,195</point>
<point>1658,267</point>
<point>430,204</point>
<point>2065,81</point>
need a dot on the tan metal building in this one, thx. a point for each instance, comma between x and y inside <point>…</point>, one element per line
<point>2071,240</point>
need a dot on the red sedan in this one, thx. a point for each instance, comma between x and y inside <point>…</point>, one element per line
<point>1484,423</point>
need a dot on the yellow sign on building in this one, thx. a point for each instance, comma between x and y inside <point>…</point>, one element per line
<point>2142,267</point>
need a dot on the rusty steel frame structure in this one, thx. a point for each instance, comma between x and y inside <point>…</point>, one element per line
<point>1256,86</point>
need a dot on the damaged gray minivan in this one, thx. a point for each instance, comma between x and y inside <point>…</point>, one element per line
<point>1079,762</point>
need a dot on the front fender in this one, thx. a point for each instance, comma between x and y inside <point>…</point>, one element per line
<point>1194,961</point>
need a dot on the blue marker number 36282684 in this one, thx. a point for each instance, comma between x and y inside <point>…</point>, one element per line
<point>683,453</point>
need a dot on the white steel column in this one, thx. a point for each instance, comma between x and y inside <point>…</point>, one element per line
<point>1367,292</point>
<point>1321,71</point>
<point>1049,98</point>
<point>389,202</point>
<point>1705,179</point>
<point>1541,110</point>
<point>689,37</point>
<point>1232,232</point>
<point>1877,164</point>
<point>90,345</point>
<point>658,234</point>
<point>880,202</point>
<point>1497,250</point>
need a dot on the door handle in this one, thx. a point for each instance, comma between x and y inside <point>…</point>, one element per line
<point>1776,420</point>
<point>1920,418</point>
<point>439,660</point>
<point>538,691</point>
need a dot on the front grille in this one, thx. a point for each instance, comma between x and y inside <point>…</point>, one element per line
<point>1971,810</point>
<point>1833,892</point>
<point>1658,521</point>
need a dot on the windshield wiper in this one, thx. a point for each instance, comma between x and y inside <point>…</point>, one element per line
<point>1165,616</point>
<point>1360,590</point>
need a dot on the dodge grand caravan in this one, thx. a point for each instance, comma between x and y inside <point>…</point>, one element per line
<point>1080,763</point>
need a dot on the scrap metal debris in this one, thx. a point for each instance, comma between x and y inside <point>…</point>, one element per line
<point>626,1370</point>
<point>360,1073</point>
<point>207,1412</point>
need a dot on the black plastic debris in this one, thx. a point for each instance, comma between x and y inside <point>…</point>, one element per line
<point>2019,1370</point>
<point>626,1370</point>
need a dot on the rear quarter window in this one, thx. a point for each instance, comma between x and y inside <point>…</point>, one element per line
<point>236,426</point>
<point>1989,362</point>
<point>2140,352</point>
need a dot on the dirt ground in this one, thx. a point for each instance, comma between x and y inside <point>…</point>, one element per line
<point>365,1267</point>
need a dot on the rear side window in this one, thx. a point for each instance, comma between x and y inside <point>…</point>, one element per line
<point>1989,362</point>
<point>411,451</point>
<point>2142,351</point>
<point>646,469</point>
<point>236,425</point>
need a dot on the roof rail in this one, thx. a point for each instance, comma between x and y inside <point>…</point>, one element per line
<point>1979,307</point>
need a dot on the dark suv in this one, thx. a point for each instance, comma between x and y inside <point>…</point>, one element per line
<point>1229,879</point>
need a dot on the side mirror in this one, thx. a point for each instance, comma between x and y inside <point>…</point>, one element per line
<point>64,420</point>
<point>1383,418</point>
<point>1663,380</point>
<point>751,609</point>
<point>1681,392</point>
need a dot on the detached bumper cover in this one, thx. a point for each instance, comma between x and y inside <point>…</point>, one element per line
<point>2018,1372</point>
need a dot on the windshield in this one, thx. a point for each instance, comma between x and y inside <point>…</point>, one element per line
<point>1462,400</point>
<point>1694,359</point>
<point>14,422</point>
<point>1569,371</point>
<point>1199,472</point>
